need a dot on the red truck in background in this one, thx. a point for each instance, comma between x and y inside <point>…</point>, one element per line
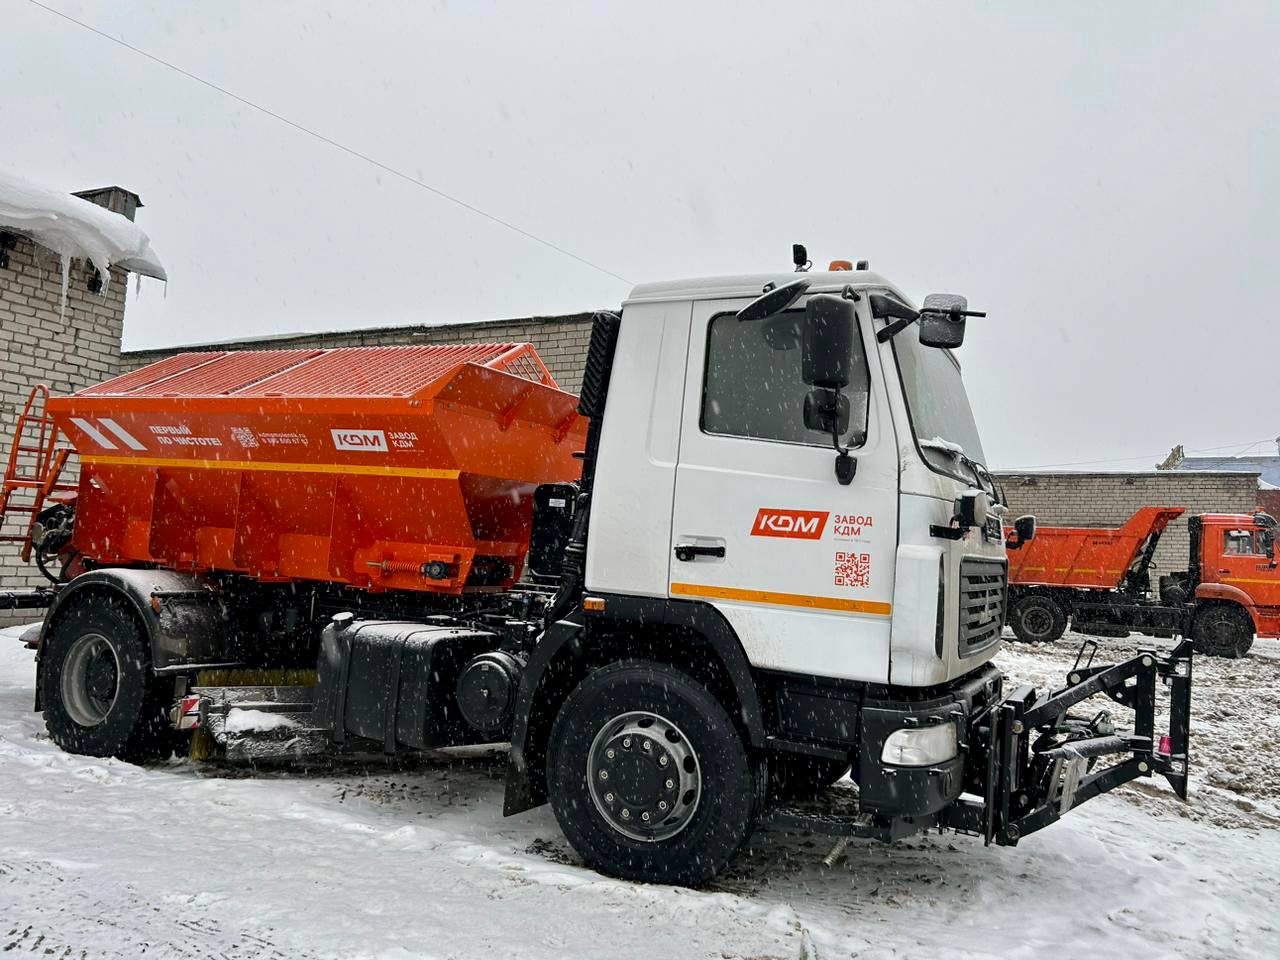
<point>1100,581</point>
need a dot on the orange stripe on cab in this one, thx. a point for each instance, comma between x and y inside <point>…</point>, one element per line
<point>874,607</point>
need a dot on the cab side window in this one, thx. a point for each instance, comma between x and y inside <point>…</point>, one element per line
<point>753,387</point>
<point>1239,543</point>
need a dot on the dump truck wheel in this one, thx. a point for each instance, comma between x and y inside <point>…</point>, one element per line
<point>96,686</point>
<point>1222,630</point>
<point>1038,619</point>
<point>797,777</point>
<point>648,776</point>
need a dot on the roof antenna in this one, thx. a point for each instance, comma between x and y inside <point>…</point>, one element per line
<point>800,257</point>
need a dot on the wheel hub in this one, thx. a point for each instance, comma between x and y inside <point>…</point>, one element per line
<point>644,776</point>
<point>1037,621</point>
<point>90,679</point>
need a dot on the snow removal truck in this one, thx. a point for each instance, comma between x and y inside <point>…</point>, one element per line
<point>759,552</point>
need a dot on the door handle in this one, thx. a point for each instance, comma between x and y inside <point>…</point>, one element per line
<point>687,551</point>
<point>1223,570</point>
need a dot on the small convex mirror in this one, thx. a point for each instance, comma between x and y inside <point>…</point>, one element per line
<point>942,320</point>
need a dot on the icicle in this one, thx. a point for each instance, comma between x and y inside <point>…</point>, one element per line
<point>66,277</point>
<point>137,285</point>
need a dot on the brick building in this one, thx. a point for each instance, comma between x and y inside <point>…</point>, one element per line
<point>1071,499</point>
<point>41,341</point>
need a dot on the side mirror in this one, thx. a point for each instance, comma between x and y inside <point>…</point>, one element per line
<point>826,411</point>
<point>971,508</point>
<point>826,342</point>
<point>942,320</point>
<point>826,349</point>
<point>1024,531</point>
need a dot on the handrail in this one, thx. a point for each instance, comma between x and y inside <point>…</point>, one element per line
<point>42,481</point>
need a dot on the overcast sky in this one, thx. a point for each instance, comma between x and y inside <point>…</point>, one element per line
<point>1103,178</point>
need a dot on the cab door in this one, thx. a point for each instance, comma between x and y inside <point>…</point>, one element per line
<point>1243,562</point>
<point>801,566</point>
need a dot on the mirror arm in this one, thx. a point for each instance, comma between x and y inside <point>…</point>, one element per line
<point>890,331</point>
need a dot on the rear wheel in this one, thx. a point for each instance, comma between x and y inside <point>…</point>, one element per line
<point>1038,619</point>
<point>648,776</point>
<point>96,686</point>
<point>1222,630</point>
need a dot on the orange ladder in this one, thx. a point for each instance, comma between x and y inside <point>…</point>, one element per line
<point>31,477</point>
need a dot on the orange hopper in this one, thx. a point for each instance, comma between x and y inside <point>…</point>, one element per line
<point>407,468</point>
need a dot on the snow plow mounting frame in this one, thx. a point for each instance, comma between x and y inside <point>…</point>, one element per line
<point>1033,778</point>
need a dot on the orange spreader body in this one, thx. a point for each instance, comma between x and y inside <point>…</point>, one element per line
<point>384,468</point>
<point>1085,557</point>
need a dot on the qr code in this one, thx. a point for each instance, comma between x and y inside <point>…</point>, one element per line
<point>244,436</point>
<point>853,569</point>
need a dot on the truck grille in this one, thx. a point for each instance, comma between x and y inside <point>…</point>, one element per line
<point>982,589</point>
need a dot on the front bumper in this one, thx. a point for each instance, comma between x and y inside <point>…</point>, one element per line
<point>1030,761</point>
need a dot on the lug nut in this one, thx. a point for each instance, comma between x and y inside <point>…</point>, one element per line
<point>662,804</point>
<point>645,816</point>
<point>626,814</point>
<point>648,745</point>
<point>610,754</point>
<point>671,784</point>
<point>608,798</point>
<point>626,742</point>
<point>662,760</point>
<point>604,774</point>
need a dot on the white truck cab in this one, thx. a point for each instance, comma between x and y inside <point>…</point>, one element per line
<point>710,487</point>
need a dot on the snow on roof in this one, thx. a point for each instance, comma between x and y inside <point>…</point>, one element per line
<point>72,227</point>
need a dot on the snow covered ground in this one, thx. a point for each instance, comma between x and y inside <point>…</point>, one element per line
<point>101,859</point>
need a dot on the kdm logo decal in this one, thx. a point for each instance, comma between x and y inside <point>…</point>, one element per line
<point>363,441</point>
<point>797,524</point>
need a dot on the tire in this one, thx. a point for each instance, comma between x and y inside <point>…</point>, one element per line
<point>793,776</point>
<point>1038,619</point>
<point>1222,630</point>
<point>712,802</point>
<point>96,686</point>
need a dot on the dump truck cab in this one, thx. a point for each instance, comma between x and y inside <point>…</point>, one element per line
<point>1233,579</point>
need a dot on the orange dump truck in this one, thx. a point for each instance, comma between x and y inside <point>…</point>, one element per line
<point>1099,580</point>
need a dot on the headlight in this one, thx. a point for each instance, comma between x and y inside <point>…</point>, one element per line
<point>921,746</point>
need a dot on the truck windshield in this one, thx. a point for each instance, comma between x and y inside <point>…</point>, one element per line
<point>940,412</point>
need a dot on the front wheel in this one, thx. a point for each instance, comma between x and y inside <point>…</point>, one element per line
<point>96,686</point>
<point>1038,619</point>
<point>1222,630</point>
<point>648,776</point>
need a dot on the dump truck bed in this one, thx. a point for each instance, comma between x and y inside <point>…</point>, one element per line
<point>376,467</point>
<point>1087,557</point>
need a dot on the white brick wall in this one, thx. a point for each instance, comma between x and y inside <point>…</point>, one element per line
<point>40,344</point>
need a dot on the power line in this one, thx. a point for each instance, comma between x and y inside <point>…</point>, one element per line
<point>408,178</point>
<point>1148,456</point>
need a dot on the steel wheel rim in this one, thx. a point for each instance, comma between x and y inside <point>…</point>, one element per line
<point>1036,620</point>
<point>644,777</point>
<point>90,679</point>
